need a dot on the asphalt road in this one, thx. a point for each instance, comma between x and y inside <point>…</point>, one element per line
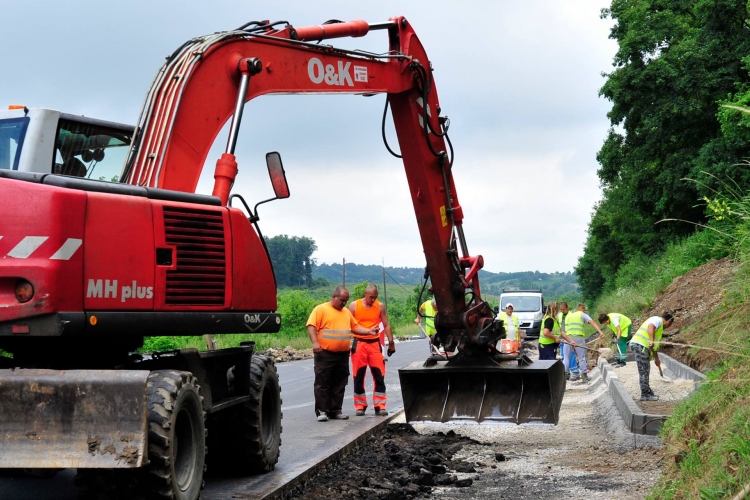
<point>304,439</point>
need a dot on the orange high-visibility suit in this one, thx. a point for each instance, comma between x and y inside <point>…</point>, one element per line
<point>368,352</point>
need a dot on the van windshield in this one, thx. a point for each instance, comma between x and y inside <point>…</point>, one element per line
<point>521,303</point>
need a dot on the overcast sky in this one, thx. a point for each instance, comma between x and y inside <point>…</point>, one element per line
<point>518,78</point>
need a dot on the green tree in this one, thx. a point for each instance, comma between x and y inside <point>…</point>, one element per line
<point>677,59</point>
<point>292,259</point>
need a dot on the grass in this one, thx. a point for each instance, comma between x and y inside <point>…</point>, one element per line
<point>640,280</point>
<point>707,438</point>
<point>406,330</point>
<point>262,341</point>
<point>294,306</point>
<point>297,340</point>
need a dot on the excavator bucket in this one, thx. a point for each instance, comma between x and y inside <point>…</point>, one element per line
<point>499,393</point>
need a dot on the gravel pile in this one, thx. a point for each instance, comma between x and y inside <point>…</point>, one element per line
<point>288,353</point>
<point>669,388</point>
<point>399,463</point>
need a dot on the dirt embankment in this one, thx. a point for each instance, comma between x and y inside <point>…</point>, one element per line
<point>690,298</point>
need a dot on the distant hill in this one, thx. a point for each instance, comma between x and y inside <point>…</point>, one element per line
<point>357,273</point>
<point>552,284</point>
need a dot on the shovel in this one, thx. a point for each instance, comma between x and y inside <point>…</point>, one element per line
<point>582,346</point>
<point>433,350</point>
<point>652,354</point>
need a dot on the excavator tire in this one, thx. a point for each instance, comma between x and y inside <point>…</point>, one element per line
<point>176,437</point>
<point>248,436</point>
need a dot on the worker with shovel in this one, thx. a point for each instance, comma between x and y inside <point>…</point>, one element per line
<point>574,322</point>
<point>644,344</point>
<point>551,334</point>
<point>428,310</point>
<point>620,325</point>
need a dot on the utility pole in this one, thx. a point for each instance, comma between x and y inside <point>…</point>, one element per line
<point>343,273</point>
<point>385,293</point>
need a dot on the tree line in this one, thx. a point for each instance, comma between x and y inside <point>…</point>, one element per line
<point>292,260</point>
<point>296,268</point>
<point>676,143</point>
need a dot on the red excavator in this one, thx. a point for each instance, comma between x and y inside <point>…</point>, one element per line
<point>91,266</point>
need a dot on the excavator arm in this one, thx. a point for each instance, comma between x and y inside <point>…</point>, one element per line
<point>205,84</point>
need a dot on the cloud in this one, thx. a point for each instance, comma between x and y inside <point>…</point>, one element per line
<point>519,80</point>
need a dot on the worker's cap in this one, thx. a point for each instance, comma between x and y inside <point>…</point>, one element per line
<point>509,305</point>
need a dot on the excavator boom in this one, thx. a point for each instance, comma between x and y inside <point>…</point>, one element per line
<point>179,123</point>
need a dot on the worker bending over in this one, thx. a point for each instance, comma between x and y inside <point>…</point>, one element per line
<point>366,350</point>
<point>644,344</point>
<point>564,346</point>
<point>620,326</point>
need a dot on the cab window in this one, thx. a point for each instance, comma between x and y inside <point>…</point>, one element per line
<point>90,150</point>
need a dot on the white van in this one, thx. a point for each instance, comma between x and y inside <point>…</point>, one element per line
<point>528,305</point>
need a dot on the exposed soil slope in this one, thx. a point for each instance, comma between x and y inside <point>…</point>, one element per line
<point>691,297</point>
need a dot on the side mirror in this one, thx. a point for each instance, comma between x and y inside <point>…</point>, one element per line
<point>496,309</point>
<point>277,174</point>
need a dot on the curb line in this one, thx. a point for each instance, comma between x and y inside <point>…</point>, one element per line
<point>638,421</point>
<point>335,456</point>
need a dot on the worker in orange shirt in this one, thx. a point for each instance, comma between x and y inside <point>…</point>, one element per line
<point>366,351</point>
<point>330,327</point>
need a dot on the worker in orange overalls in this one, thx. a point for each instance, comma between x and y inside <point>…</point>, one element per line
<point>366,351</point>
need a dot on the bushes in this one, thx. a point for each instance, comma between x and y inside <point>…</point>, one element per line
<point>295,307</point>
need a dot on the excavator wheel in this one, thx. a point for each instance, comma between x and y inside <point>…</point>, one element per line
<point>247,437</point>
<point>176,437</point>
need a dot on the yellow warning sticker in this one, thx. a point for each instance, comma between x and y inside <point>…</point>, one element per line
<point>443,217</point>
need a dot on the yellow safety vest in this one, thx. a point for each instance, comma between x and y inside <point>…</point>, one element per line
<point>504,317</point>
<point>555,331</point>
<point>641,336</point>
<point>429,318</point>
<point>625,322</point>
<point>574,324</point>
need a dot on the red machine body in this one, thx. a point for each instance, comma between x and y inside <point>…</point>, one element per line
<point>99,256</point>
